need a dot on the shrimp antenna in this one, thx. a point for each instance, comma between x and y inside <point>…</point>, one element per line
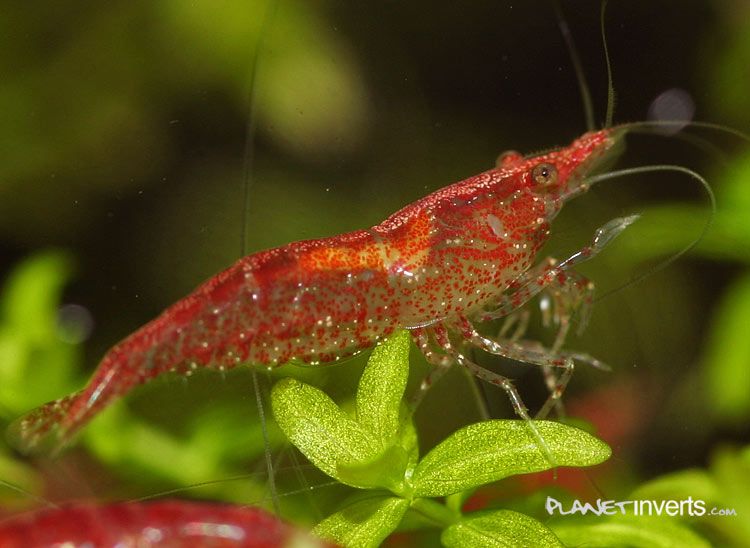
<point>298,491</point>
<point>669,260</point>
<point>249,151</point>
<point>209,483</point>
<point>29,494</point>
<point>588,107</point>
<point>266,443</point>
<point>653,125</point>
<point>610,87</point>
<point>247,179</point>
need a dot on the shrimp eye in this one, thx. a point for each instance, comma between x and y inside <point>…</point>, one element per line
<point>544,174</point>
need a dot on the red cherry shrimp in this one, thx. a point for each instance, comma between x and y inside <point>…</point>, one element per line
<point>175,523</point>
<point>464,254</point>
<point>427,268</point>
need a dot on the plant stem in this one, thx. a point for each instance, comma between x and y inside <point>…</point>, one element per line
<point>435,512</point>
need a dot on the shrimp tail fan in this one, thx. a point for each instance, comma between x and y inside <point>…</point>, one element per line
<point>45,430</point>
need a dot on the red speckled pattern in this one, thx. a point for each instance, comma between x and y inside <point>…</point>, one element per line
<point>173,524</point>
<point>317,301</point>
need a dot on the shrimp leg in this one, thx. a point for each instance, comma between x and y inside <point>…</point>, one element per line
<point>566,295</point>
<point>551,272</point>
<point>440,361</point>
<point>564,292</point>
<point>440,332</point>
<point>558,304</point>
<point>575,294</point>
<point>519,320</point>
<point>519,351</point>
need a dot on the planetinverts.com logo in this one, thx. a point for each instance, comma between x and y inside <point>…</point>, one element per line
<point>672,508</point>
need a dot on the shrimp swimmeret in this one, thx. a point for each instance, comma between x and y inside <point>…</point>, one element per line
<point>462,254</point>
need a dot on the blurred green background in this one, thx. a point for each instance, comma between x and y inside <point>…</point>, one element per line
<point>123,137</point>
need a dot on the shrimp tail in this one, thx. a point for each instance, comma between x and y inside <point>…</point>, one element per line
<point>42,430</point>
<point>176,342</point>
<point>51,428</point>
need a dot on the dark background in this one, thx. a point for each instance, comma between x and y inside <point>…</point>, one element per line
<point>123,136</point>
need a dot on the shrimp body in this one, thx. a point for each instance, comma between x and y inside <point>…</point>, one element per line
<point>163,523</point>
<point>446,256</point>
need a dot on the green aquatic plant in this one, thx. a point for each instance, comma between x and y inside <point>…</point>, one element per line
<point>375,449</point>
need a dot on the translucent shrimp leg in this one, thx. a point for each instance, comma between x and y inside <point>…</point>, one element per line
<point>528,354</point>
<point>575,294</point>
<point>568,292</point>
<point>565,292</point>
<point>436,357</point>
<point>440,333</point>
<point>570,298</point>
<point>551,273</point>
<point>518,319</point>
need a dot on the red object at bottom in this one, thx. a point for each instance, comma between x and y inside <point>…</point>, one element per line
<point>170,523</point>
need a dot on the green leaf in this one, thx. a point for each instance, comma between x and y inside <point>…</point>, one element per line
<point>314,423</point>
<point>730,469</point>
<point>365,523</point>
<point>679,485</point>
<point>387,470</point>
<point>145,453</point>
<point>663,230</point>
<point>728,355</point>
<point>137,444</point>
<point>498,529</point>
<point>382,386</point>
<point>375,450</point>
<point>409,442</point>
<point>488,451</point>
<point>32,293</point>
<point>643,532</point>
<point>306,67</point>
<point>456,501</point>
<point>732,189</point>
<point>31,345</point>
<point>731,57</point>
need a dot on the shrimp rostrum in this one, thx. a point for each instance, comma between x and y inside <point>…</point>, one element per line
<point>461,255</point>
